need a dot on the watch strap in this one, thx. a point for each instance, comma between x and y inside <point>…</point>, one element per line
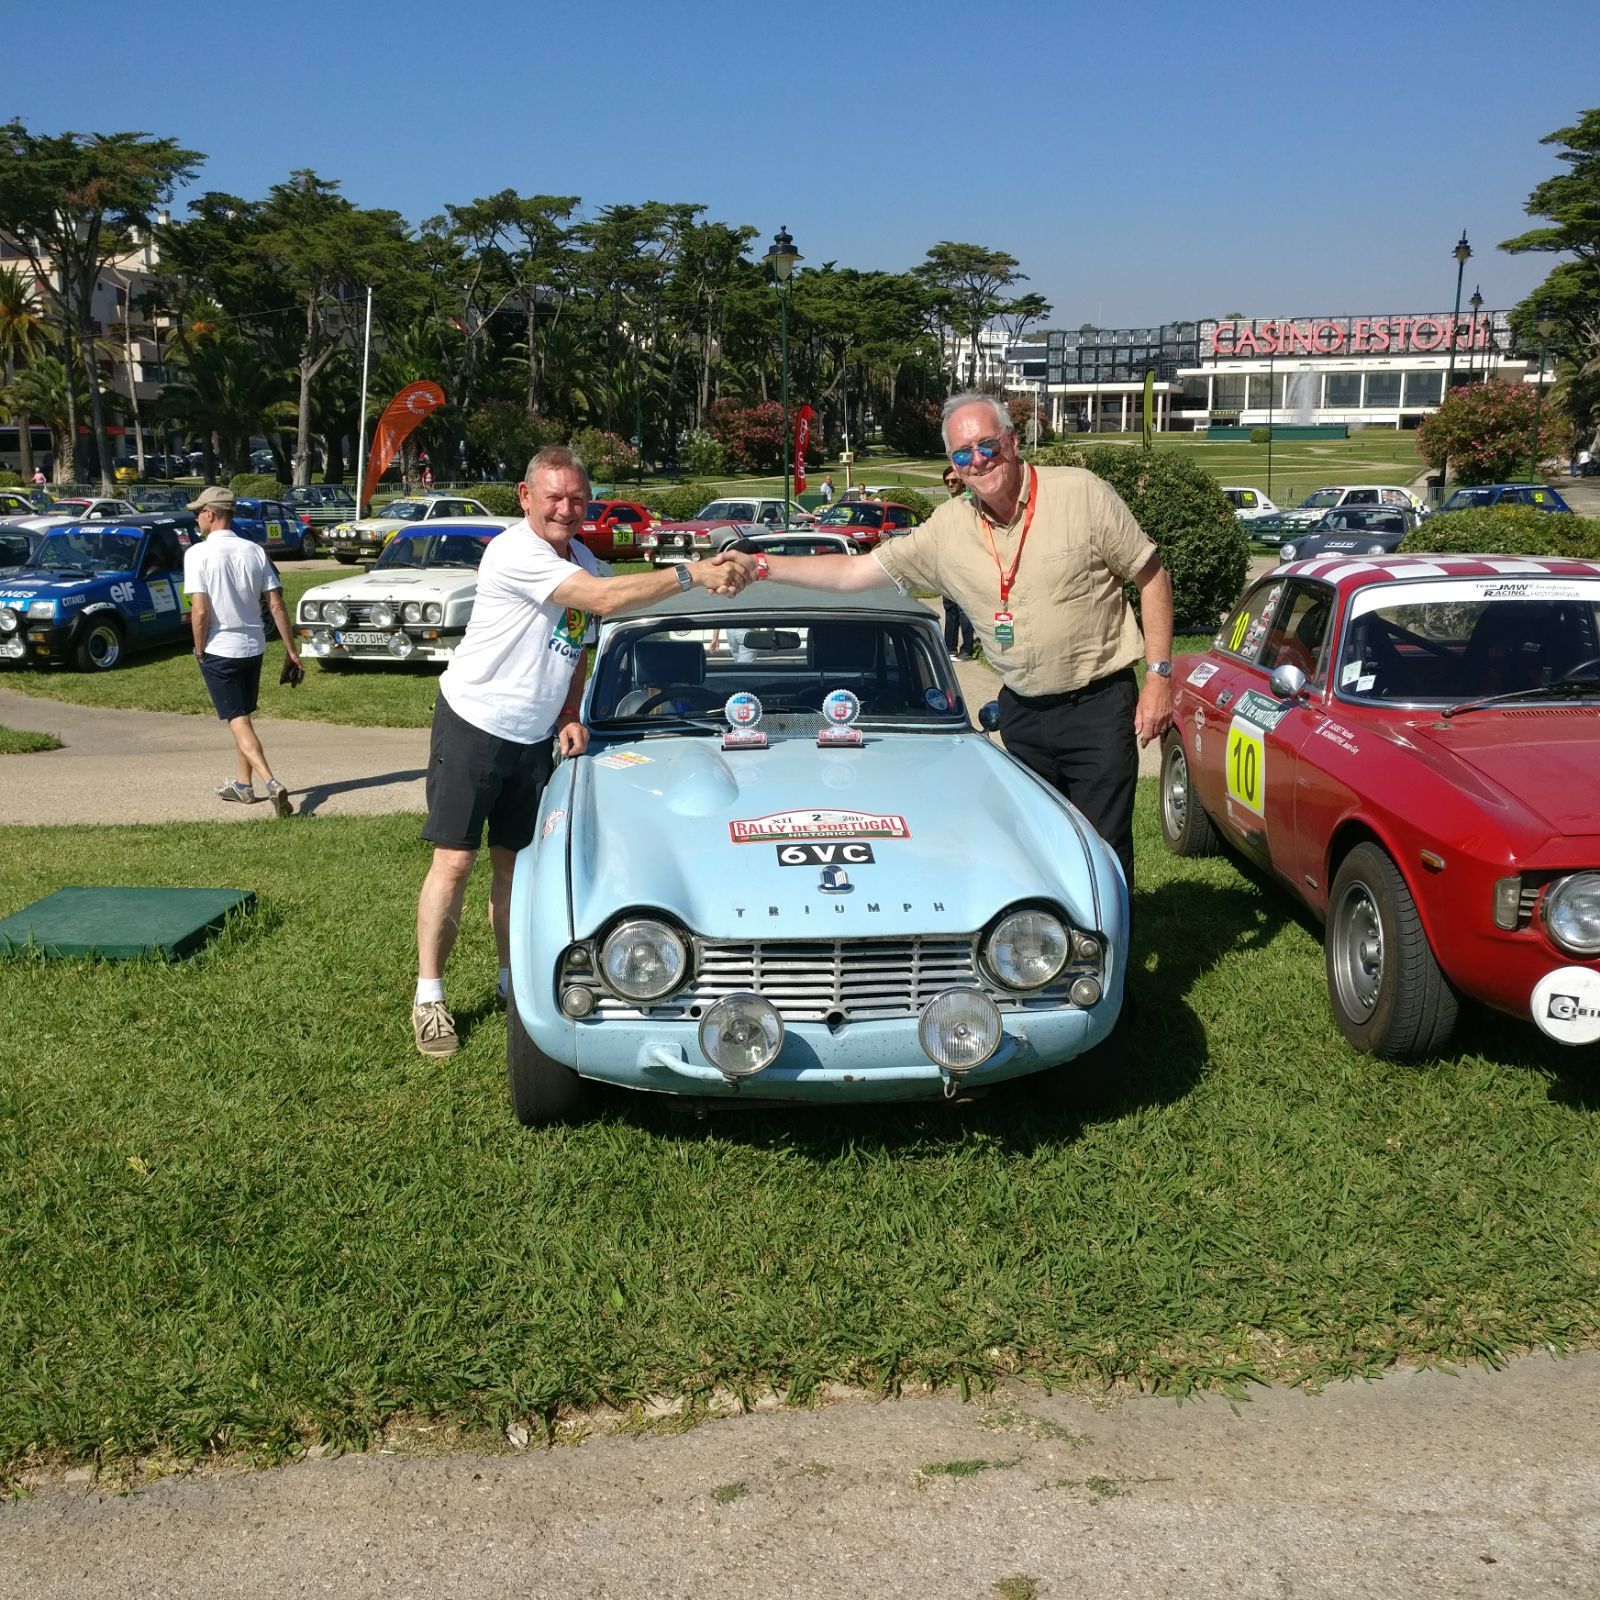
<point>685,582</point>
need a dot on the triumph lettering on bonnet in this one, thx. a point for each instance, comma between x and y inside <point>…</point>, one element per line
<point>872,907</point>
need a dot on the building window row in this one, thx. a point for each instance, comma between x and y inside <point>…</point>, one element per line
<point>1327,391</point>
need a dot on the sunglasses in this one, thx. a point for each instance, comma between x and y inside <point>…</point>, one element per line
<point>987,448</point>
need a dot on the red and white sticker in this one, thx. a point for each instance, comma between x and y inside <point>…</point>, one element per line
<point>817,825</point>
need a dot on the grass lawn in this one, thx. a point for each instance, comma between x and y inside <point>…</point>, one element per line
<point>19,742</point>
<point>239,1213</point>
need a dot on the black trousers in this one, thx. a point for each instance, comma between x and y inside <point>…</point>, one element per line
<point>957,624</point>
<point>1082,744</point>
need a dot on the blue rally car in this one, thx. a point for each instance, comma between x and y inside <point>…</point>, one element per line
<point>93,591</point>
<point>789,869</point>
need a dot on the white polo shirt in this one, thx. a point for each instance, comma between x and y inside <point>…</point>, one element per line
<point>233,575</point>
<point>511,671</point>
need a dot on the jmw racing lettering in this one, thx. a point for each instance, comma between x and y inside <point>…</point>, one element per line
<point>817,825</point>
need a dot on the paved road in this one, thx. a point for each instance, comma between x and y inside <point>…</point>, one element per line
<point>1421,1485</point>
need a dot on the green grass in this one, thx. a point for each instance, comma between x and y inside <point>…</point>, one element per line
<point>238,1212</point>
<point>20,742</point>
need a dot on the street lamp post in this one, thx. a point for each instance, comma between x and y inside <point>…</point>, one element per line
<point>1272,399</point>
<point>781,259</point>
<point>1476,302</point>
<point>1463,254</point>
<point>1546,327</point>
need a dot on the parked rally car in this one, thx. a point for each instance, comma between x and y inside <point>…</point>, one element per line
<point>412,606</point>
<point>611,528</point>
<point>272,525</point>
<point>95,591</point>
<point>1275,527</point>
<point>867,521</point>
<point>719,524</point>
<point>789,869</point>
<point>356,541</point>
<point>1352,530</point>
<point>1411,744</point>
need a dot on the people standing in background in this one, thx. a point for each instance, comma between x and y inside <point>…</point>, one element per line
<point>826,491</point>
<point>957,624</point>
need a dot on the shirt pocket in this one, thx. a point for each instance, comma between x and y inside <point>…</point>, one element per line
<point>1067,570</point>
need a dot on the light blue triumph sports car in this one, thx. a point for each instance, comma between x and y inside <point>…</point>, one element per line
<point>788,868</point>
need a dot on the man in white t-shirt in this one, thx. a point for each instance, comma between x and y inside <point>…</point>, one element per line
<point>516,678</point>
<point>225,579</point>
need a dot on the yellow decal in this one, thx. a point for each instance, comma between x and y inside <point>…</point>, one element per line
<point>1241,625</point>
<point>1247,765</point>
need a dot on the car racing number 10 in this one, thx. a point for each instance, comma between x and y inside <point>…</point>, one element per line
<point>1254,718</point>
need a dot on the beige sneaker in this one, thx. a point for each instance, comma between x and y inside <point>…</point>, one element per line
<point>434,1029</point>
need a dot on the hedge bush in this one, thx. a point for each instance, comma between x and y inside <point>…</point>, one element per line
<point>919,503</point>
<point>1261,436</point>
<point>1202,544</point>
<point>9,480</point>
<point>1506,531</point>
<point>674,502</point>
<point>257,486</point>
<point>498,499</point>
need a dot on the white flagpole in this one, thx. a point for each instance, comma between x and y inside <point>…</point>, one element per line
<point>361,421</point>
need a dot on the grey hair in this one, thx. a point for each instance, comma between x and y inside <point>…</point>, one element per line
<point>555,458</point>
<point>972,397</point>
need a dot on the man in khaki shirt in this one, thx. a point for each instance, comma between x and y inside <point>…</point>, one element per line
<point>1037,558</point>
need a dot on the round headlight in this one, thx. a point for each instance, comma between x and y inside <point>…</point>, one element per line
<point>336,613</point>
<point>741,1034</point>
<point>1572,913</point>
<point>383,615</point>
<point>401,645</point>
<point>959,1029</point>
<point>1286,551</point>
<point>8,620</point>
<point>310,610</point>
<point>643,960</point>
<point>412,611</point>
<point>1027,949</point>
<point>433,612</point>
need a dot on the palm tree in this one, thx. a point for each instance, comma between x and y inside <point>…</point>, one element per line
<point>22,342</point>
<point>226,392</point>
<point>40,392</point>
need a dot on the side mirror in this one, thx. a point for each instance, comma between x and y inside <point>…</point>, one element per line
<point>989,716</point>
<point>1288,682</point>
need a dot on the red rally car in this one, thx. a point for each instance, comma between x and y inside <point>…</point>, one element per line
<point>1411,745</point>
<point>612,529</point>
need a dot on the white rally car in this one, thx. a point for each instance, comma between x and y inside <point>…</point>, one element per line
<point>366,536</point>
<point>412,606</point>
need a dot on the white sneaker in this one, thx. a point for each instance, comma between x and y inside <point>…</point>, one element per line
<point>242,792</point>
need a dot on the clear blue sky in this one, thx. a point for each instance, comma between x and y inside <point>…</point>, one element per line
<point>1143,162</point>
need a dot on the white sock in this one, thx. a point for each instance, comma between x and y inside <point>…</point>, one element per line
<point>429,989</point>
<point>504,985</point>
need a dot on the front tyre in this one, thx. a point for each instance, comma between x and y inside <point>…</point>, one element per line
<point>310,546</point>
<point>542,1090</point>
<point>1387,992</point>
<point>1099,1076</point>
<point>99,647</point>
<point>1185,827</point>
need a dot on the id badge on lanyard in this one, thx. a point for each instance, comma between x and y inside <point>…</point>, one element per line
<point>1005,626</point>
<point>1004,629</point>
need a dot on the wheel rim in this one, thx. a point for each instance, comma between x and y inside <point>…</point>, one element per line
<point>1175,792</point>
<point>308,544</point>
<point>104,647</point>
<point>1355,936</point>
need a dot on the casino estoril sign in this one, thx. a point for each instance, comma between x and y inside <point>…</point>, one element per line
<point>1349,336</point>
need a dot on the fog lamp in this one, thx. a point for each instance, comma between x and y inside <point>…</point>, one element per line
<point>400,646</point>
<point>959,1029</point>
<point>741,1035</point>
<point>1085,991</point>
<point>576,1001</point>
<point>383,615</point>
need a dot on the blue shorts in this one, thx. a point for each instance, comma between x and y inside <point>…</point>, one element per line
<point>234,682</point>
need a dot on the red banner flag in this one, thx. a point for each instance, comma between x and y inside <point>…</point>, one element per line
<point>802,439</point>
<point>402,414</point>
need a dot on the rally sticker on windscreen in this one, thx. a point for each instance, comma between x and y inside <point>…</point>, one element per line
<point>817,825</point>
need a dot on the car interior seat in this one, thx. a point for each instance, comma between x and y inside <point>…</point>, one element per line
<point>845,655</point>
<point>1506,651</point>
<point>660,666</point>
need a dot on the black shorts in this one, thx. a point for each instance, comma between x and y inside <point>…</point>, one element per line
<point>475,777</point>
<point>234,682</point>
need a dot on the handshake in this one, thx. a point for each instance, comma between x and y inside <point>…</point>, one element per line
<point>727,572</point>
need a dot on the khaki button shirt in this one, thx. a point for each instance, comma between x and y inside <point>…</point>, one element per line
<point>1072,624</point>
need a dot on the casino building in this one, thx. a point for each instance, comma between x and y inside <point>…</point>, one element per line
<point>1366,371</point>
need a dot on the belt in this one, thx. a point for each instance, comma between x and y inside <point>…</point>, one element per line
<point>1068,697</point>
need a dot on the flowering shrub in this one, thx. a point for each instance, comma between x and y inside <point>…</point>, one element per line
<point>702,454</point>
<point>751,435</point>
<point>1485,431</point>
<point>606,455</point>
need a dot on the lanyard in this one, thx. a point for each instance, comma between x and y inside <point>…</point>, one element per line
<point>1009,578</point>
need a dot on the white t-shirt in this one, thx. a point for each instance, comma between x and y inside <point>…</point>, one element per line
<point>511,671</point>
<point>233,575</point>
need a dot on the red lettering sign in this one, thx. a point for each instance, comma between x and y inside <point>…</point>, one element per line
<point>1432,339</point>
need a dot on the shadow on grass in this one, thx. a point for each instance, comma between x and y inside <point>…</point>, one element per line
<point>1185,928</point>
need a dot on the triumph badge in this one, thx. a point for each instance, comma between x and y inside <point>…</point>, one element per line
<point>835,880</point>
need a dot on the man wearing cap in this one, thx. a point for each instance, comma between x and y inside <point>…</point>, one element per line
<point>225,579</point>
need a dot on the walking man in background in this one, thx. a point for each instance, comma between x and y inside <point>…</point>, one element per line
<point>515,680</point>
<point>957,624</point>
<point>226,578</point>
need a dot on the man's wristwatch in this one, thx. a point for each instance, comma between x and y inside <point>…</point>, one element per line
<point>685,582</point>
<point>1162,669</point>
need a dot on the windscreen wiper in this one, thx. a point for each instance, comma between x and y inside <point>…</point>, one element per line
<point>1572,688</point>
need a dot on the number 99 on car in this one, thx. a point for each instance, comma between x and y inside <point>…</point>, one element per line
<point>1247,764</point>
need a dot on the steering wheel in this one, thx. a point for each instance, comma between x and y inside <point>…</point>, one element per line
<point>700,697</point>
<point>1581,668</point>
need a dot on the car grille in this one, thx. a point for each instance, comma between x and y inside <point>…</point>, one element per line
<point>840,980</point>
